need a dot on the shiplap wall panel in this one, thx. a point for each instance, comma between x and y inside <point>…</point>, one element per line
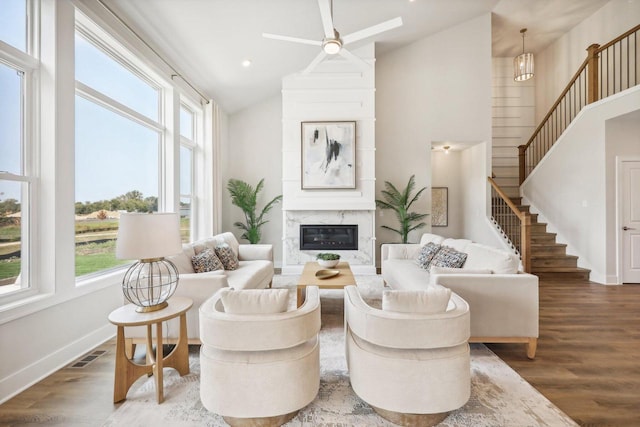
<point>513,122</point>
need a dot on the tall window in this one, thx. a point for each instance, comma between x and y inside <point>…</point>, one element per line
<point>187,146</point>
<point>117,151</point>
<point>16,147</point>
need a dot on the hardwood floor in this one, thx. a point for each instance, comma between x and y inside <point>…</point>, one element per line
<point>586,364</point>
<point>587,361</point>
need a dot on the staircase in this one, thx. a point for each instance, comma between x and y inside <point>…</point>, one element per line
<point>549,259</point>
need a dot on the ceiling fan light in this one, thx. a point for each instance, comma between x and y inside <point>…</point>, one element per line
<point>332,46</point>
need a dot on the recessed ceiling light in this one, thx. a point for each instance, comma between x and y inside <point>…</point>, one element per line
<point>246,63</point>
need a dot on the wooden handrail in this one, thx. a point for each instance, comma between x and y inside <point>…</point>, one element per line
<point>585,87</point>
<point>519,237</point>
<point>506,198</point>
<point>619,38</point>
<point>558,101</point>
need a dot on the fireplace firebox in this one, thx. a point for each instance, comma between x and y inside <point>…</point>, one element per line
<point>342,237</point>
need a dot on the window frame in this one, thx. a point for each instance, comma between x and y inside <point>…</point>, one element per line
<point>114,51</point>
<point>192,145</point>
<point>28,64</point>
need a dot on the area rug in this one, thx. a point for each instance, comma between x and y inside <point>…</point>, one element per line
<point>499,396</point>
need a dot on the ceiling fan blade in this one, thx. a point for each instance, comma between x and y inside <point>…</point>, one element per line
<point>372,31</point>
<point>327,19</point>
<point>292,39</point>
<point>318,59</point>
<point>355,59</point>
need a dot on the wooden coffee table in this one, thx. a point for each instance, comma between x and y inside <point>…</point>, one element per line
<point>308,278</point>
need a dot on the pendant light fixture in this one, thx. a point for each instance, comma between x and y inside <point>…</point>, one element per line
<point>523,63</point>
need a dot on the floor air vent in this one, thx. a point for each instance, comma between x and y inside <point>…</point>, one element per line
<point>82,363</point>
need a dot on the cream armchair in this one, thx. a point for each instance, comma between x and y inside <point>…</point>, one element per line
<point>259,369</point>
<point>411,368</point>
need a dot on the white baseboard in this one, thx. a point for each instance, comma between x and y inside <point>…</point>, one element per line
<point>29,375</point>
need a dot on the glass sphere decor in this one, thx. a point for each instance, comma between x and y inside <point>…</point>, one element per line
<point>149,283</point>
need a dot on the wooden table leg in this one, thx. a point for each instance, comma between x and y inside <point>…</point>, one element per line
<point>126,372</point>
<point>157,367</point>
<point>178,359</point>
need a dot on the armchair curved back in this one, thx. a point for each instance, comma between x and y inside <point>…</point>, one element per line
<point>407,330</point>
<point>259,332</point>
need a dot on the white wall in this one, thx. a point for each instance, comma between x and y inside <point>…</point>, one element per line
<point>254,151</point>
<point>557,63</point>
<point>572,186</point>
<point>436,89</point>
<point>476,205</point>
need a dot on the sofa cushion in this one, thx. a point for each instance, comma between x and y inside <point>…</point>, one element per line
<point>497,260</point>
<point>431,300</point>
<point>427,254</point>
<point>404,274</point>
<point>403,251</point>
<point>446,270</point>
<point>182,260</point>
<point>250,274</point>
<point>206,261</point>
<point>457,244</point>
<point>254,301</point>
<point>228,258</point>
<point>449,257</point>
<point>433,238</point>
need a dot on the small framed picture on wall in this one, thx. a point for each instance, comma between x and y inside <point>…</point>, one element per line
<point>328,155</point>
<point>439,207</point>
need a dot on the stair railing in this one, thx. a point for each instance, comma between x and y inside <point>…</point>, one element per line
<point>512,222</point>
<point>607,70</point>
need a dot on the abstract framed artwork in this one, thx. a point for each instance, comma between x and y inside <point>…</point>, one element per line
<point>328,155</point>
<point>439,207</point>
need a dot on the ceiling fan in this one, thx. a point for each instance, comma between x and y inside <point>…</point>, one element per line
<point>333,43</point>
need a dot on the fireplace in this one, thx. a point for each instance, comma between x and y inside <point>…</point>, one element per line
<point>323,237</point>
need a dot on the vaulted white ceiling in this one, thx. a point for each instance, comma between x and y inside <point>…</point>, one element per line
<point>207,40</point>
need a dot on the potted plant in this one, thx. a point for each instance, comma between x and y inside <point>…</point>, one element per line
<point>400,202</point>
<point>245,197</point>
<point>327,259</point>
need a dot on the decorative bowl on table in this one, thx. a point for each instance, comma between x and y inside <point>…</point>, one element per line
<point>328,260</point>
<point>326,274</point>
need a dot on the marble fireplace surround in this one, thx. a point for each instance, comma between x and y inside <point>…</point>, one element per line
<point>362,260</point>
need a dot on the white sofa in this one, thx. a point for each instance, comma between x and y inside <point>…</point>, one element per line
<point>255,272</point>
<point>502,299</point>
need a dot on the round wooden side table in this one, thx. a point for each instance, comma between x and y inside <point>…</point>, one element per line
<point>127,372</point>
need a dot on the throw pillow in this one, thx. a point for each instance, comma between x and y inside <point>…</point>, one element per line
<point>431,300</point>
<point>426,255</point>
<point>206,261</point>
<point>254,301</point>
<point>227,256</point>
<point>449,257</point>
<point>446,270</point>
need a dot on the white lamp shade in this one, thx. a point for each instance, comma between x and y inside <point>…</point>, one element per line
<point>144,236</point>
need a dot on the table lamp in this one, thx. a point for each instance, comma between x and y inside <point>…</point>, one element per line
<point>152,280</point>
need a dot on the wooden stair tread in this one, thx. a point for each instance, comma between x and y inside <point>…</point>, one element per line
<point>560,270</point>
<point>548,256</point>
